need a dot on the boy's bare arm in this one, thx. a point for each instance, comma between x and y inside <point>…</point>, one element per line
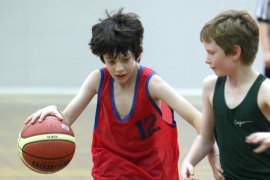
<point>159,89</point>
<point>262,138</point>
<point>82,99</point>
<point>77,104</point>
<point>204,142</point>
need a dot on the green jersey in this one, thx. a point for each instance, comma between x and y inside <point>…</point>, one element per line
<point>237,158</point>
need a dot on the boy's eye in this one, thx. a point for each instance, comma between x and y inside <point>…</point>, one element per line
<point>110,61</point>
<point>211,53</point>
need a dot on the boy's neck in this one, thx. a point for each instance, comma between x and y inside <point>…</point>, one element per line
<point>132,80</point>
<point>241,76</point>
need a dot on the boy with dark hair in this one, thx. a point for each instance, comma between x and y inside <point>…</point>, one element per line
<point>236,100</point>
<point>135,135</point>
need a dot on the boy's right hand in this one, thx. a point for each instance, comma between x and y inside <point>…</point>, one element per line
<point>42,113</point>
<point>187,170</point>
<point>262,138</point>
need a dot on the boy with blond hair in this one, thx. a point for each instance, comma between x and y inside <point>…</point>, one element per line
<point>236,100</point>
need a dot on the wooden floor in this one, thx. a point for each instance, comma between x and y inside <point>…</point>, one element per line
<point>15,109</point>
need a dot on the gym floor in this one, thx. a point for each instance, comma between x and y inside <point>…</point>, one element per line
<point>16,108</point>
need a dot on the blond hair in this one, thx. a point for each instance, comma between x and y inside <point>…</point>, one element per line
<point>230,28</point>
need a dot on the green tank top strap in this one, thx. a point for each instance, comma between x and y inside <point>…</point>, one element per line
<point>253,91</point>
<point>219,92</point>
<point>256,86</point>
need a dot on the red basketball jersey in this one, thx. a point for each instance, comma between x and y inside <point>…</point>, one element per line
<point>141,146</point>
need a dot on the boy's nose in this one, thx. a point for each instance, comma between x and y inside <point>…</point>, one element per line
<point>207,61</point>
<point>119,66</point>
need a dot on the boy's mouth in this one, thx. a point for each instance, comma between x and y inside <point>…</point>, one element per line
<point>120,76</point>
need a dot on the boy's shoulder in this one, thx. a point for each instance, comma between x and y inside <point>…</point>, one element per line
<point>96,73</point>
<point>210,80</point>
<point>94,78</point>
<point>264,95</point>
<point>209,84</point>
<point>266,82</point>
<point>265,87</point>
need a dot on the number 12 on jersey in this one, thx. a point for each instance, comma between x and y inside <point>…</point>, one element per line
<point>149,122</point>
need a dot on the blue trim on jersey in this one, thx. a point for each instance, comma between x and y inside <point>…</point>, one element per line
<point>154,103</point>
<point>174,122</point>
<point>98,99</point>
<point>148,93</point>
<point>134,97</point>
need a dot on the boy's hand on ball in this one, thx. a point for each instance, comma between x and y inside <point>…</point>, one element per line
<point>42,113</point>
<point>46,147</point>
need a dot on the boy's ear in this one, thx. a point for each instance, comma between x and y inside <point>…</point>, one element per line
<point>236,52</point>
<point>140,56</point>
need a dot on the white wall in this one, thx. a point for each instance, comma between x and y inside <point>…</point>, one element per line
<point>43,43</point>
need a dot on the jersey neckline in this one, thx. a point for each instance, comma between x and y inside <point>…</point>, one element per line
<point>247,94</point>
<point>134,97</point>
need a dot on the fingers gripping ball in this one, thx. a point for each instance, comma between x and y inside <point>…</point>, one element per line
<point>48,146</point>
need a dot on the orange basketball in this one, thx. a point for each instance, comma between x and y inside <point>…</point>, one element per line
<point>48,146</point>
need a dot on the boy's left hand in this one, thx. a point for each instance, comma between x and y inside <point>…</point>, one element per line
<point>262,138</point>
<point>217,170</point>
<point>213,158</point>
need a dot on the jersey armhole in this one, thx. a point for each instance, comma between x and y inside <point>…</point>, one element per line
<point>148,93</point>
<point>98,97</point>
<point>171,112</point>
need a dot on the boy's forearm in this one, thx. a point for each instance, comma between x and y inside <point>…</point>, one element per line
<point>199,149</point>
<point>198,122</point>
<point>195,119</point>
<point>213,154</point>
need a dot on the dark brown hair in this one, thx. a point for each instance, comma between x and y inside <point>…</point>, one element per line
<point>118,33</point>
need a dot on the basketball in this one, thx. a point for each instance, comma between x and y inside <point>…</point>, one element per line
<point>47,146</point>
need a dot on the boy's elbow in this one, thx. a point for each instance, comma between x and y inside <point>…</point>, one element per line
<point>197,124</point>
<point>194,118</point>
